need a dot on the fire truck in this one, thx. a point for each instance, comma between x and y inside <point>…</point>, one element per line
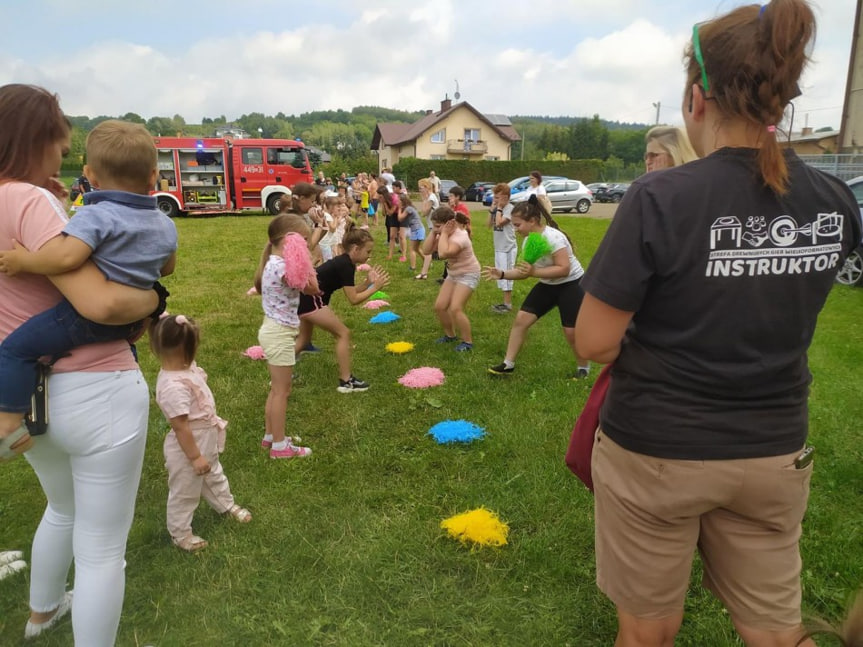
<point>200,176</point>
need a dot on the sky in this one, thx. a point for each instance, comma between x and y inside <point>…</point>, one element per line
<point>614,58</point>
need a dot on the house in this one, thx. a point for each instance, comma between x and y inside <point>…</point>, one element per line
<point>455,132</point>
<point>807,142</point>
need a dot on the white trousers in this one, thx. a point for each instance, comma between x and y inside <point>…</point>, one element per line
<point>505,261</point>
<point>89,464</point>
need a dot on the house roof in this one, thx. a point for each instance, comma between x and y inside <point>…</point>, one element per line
<point>814,137</point>
<point>390,134</point>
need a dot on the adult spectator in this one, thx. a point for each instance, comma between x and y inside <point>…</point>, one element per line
<point>320,180</point>
<point>666,146</point>
<point>388,177</point>
<point>89,460</point>
<point>702,439</point>
<point>435,182</point>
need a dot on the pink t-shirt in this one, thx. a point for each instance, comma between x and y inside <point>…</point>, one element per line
<point>465,262</point>
<point>33,216</point>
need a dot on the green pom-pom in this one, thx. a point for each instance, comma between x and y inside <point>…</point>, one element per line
<point>380,295</point>
<point>535,247</point>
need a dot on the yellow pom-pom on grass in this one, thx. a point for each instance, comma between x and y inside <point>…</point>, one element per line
<point>399,347</point>
<point>479,526</point>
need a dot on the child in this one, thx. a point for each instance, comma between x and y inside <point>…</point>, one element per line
<point>314,310</point>
<point>430,202</point>
<point>126,236</point>
<point>328,241</point>
<point>343,221</point>
<point>505,248</point>
<point>452,242</point>
<point>389,204</point>
<point>279,330</point>
<point>559,274</point>
<point>410,221</point>
<point>197,435</point>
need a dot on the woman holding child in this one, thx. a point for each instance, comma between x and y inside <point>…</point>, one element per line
<point>89,460</point>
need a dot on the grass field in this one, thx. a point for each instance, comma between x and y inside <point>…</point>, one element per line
<point>345,547</point>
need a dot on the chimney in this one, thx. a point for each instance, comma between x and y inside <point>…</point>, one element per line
<point>446,104</point>
<point>428,112</point>
<point>807,130</point>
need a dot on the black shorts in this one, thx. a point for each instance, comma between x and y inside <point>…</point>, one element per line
<point>392,221</point>
<point>566,296</point>
<point>309,303</point>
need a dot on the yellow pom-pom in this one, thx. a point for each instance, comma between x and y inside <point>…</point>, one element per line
<point>400,347</point>
<point>479,526</point>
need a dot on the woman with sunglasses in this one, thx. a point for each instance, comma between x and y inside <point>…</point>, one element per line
<point>705,293</point>
<point>666,147</point>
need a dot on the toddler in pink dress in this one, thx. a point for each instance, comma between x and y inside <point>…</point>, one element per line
<point>197,435</point>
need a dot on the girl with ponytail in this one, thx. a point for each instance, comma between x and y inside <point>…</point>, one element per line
<point>705,294</point>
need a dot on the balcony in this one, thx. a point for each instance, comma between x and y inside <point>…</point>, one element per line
<point>466,147</point>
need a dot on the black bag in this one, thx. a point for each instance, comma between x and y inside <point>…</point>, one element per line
<point>37,418</point>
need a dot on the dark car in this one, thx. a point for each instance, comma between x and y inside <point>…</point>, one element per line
<point>476,190</point>
<point>851,273</point>
<point>610,192</point>
<point>445,186</point>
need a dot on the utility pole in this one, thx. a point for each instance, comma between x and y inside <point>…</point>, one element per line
<point>523,140</point>
<point>657,106</point>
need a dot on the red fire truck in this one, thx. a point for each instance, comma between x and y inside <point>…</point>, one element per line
<point>210,175</point>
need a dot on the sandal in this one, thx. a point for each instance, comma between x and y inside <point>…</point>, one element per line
<point>190,543</point>
<point>421,277</point>
<point>21,437</point>
<point>240,514</point>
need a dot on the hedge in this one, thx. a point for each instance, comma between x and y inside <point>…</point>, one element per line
<point>466,172</point>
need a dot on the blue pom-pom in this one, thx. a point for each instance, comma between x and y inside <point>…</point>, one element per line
<point>456,431</point>
<point>386,316</point>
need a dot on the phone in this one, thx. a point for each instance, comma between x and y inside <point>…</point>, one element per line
<point>804,458</point>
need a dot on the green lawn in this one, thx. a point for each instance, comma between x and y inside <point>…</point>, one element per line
<point>345,547</point>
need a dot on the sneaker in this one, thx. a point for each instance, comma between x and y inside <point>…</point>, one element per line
<point>32,630</point>
<point>502,308</point>
<point>501,369</point>
<point>580,374</point>
<point>266,444</point>
<point>309,348</point>
<point>290,451</point>
<point>352,385</point>
<point>463,346</point>
<point>445,339</point>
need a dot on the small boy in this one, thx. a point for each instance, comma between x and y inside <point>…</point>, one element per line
<point>505,247</point>
<point>120,229</point>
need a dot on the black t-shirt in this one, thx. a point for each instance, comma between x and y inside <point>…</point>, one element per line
<point>335,274</point>
<point>726,280</point>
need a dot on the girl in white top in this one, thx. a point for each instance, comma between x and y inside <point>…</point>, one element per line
<point>328,241</point>
<point>197,435</point>
<point>559,274</point>
<point>278,332</point>
<point>430,202</point>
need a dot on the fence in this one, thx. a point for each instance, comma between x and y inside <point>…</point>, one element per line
<point>845,166</point>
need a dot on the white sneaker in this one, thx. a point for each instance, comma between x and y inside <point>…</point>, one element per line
<point>33,630</point>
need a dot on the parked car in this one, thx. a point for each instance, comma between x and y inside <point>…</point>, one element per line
<point>565,195</point>
<point>852,272</point>
<point>516,186</point>
<point>487,197</point>
<point>610,192</point>
<point>595,186</point>
<point>445,186</point>
<point>476,190</point>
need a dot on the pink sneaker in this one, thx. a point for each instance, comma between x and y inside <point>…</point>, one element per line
<point>402,259</point>
<point>290,451</point>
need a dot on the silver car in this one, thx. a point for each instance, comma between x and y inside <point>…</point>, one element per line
<point>565,195</point>
<point>852,272</point>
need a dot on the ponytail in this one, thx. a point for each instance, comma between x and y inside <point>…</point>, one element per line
<point>355,236</point>
<point>533,209</point>
<point>850,634</point>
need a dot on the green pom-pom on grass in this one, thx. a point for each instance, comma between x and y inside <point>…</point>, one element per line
<point>535,247</point>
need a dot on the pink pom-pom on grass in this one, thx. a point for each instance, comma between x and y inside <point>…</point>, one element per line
<point>422,378</point>
<point>374,304</point>
<point>254,352</point>
<point>298,262</point>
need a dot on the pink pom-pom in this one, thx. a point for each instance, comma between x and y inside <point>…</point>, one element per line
<point>363,267</point>
<point>251,291</point>
<point>298,262</point>
<point>422,378</point>
<point>254,352</point>
<point>374,304</point>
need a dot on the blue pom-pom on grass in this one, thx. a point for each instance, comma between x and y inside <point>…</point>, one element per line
<point>384,317</point>
<point>456,431</point>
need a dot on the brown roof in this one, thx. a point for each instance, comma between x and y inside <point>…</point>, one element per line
<point>394,134</point>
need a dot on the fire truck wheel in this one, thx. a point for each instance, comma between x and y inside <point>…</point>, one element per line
<point>168,207</point>
<point>273,203</point>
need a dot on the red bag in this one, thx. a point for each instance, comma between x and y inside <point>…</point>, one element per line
<point>581,441</point>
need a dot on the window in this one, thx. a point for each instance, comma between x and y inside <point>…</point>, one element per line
<point>471,134</point>
<point>286,156</point>
<point>437,157</point>
<point>439,137</point>
<point>555,187</point>
<point>253,156</point>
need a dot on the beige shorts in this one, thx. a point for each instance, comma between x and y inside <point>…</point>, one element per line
<point>742,515</point>
<point>278,342</point>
